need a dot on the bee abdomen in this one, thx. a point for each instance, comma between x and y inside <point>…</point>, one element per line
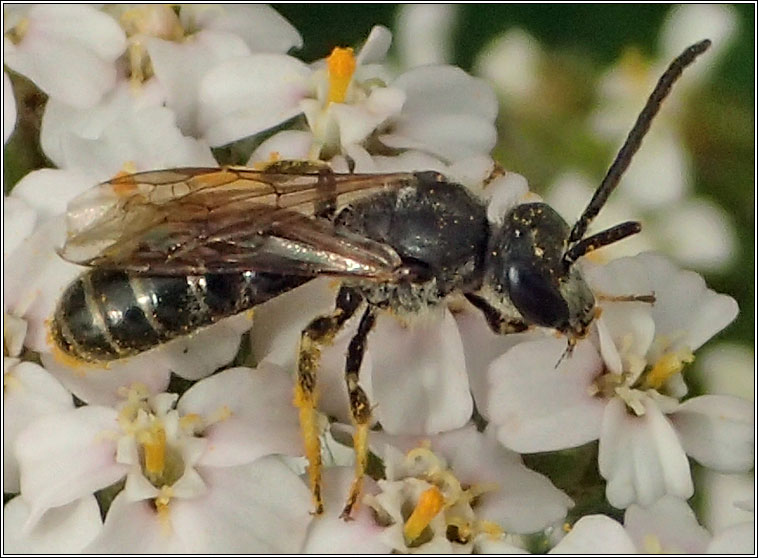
<point>108,315</point>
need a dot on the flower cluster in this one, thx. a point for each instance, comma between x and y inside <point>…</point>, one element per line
<point>194,447</point>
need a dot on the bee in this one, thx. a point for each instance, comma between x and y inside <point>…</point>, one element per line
<point>172,251</point>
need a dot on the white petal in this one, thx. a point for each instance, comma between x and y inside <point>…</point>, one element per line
<point>149,138</point>
<point>29,391</point>
<point>595,534</point>
<point>330,534</point>
<point>425,33</point>
<point>538,407</point>
<point>36,279</point>
<point>481,347</point>
<point>669,525</point>
<point>700,235</point>
<point>505,192</point>
<point>61,119</point>
<point>376,46</point>
<point>181,66</point>
<point>447,113</point>
<point>19,219</point>
<point>726,369</point>
<point>407,161</point>
<point>739,539</point>
<point>439,90</point>
<point>729,499</point>
<point>133,527</point>
<point>277,324</point>
<point>66,70</point>
<point>244,96</point>
<point>84,24</point>
<point>524,500</point>
<point>287,145</point>
<point>206,350</point>
<point>511,64</point>
<point>419,375</point>
<point>102,385</point>
<point>263,507</point>
<point>260,26</point>
<point>66,456</point>
<point>641,457</point>
<point>687,24</point>
<point>50,190</point>
<point>665,158</point>
<point>9,108</point>
<point>356,122</point>
<point>451,136</point>
<point>630,328</point>
<point>685,310</point>
<point>261,418</point>
<point>64,530</point>
<point>717,431</point>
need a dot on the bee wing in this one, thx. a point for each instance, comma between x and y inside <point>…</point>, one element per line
<point>199,220</point>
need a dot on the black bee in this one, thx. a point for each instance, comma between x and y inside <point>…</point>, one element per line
<point>175,250</point>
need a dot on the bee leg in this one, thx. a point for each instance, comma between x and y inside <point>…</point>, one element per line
<point>318,333</point>
<point>360,408</point>
<point>498,322</point>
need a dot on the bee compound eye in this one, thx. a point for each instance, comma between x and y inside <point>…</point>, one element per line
<point>535,296</point>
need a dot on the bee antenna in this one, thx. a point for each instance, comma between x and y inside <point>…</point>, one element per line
<point>603,238</point>
<point>634,139</point>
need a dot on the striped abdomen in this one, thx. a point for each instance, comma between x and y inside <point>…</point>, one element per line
<point>108,315</point>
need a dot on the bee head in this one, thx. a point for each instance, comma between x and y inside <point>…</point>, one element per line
<point>526,270</point>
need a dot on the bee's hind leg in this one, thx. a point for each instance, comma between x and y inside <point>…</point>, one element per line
<point>360,408</point>
<point>317,334</point>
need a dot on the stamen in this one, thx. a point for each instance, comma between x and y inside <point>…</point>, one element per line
<point>429,505</point>
<point>16,35</point>
<point>341,65</point>
<point>666,366</point>
<point>154,445</point>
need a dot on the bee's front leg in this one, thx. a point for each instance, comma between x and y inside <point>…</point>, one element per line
<point>320,332</point>
<point>499,323</point>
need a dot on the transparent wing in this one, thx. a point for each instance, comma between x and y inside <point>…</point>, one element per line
<point>198,220</point>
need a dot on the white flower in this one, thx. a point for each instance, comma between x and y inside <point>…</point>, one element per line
<point>211,35</point>
<point>457,490</point>
<point>67,51</point>
<point>29,391</point>
<point>196,461</point>
<point>347,101</point>
<point>624,386</point>
<point>330,534</point>
<point>511,64</point>
<point>67,529</point>
<point>424,33</point>
<point>667,527</point>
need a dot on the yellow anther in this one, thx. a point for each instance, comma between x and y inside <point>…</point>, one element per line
<point>666,366</point>
<point>16,34</point>
<point>429,504</point>
<point>154,445</point>
<point>567,527</point>
<point>489,528</point>
<point>341,65</point>
<point>154,20</point>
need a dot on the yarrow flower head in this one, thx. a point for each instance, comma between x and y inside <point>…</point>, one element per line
<point>187,448</point>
